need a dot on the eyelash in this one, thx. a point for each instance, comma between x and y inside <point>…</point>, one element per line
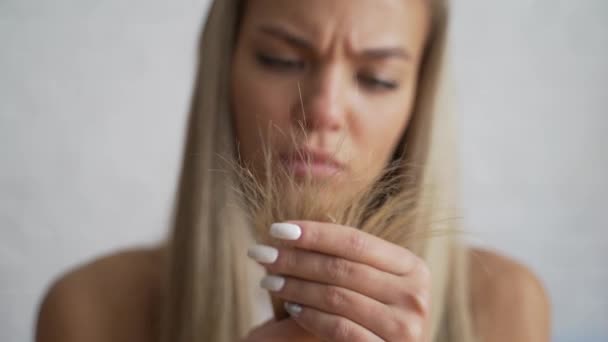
<point>279,64</point>
<point>286,65</point>
<point>374,83</point>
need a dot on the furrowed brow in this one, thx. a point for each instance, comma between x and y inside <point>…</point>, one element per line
<point>282,34</point>
<point>388,52</point>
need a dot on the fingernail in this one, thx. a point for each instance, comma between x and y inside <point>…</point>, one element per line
<point>292,308</point>
<point>263,254</point>
<point>272,283</point>
<point>285,231</point>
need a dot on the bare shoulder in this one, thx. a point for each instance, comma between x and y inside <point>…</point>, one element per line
<point>509,302</point>
<point>112,298</point>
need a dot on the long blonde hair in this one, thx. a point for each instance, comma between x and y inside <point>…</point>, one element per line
<point>206,287</point>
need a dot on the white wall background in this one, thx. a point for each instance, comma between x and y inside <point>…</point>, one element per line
<point>93,98</point>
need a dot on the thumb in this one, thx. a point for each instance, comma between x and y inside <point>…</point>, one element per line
<point>284,330</point>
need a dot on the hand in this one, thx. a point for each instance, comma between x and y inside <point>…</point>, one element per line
<point>342,284</point>
<point>279,331</point>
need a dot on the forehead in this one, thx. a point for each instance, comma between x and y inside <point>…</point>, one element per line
<point>360,23</point>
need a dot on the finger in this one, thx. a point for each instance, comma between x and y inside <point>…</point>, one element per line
<point>382,320</point>
<point>326,269</point>
<point>330,327</point>
<point>284,330</point>
<point>345,242</point>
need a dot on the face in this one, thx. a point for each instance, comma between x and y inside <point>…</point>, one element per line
<point>328,84</point>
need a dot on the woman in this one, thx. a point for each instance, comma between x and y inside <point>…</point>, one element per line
<point>364,80</point>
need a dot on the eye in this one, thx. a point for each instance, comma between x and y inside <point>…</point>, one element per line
<point>279,64</point>
<point>376,84</point>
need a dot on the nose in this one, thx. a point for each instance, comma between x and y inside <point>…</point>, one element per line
<point>321,106</point>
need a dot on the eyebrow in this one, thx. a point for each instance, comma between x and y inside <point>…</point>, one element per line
<point>282,34</point>
<point>372,53</point>
<point>382,53</point>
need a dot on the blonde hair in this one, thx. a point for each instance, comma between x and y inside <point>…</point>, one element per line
<point>206,286</point>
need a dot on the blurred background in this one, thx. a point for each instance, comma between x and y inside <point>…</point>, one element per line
<point>93,100</point>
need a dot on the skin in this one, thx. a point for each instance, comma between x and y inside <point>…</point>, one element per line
<point>339,75</point>
<point>116,298</point>
<point>345,72</point>
<point>351,286</point>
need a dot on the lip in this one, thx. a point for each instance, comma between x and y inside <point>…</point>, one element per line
<point>316,163</point>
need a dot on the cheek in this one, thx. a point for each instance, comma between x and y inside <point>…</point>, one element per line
<point>383,137</point>
<point>381,128</point>
<point>257,103</point>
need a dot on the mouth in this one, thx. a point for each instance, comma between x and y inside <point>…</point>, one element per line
<point>304,163</point>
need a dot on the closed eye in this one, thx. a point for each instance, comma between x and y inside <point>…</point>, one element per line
<point>279,64</point>
<point>375,83</point>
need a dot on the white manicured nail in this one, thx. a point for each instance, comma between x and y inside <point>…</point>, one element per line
<point>273,283</point>
<point>263,254</point>
<point>285,231</point>
<point>293,309</point>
